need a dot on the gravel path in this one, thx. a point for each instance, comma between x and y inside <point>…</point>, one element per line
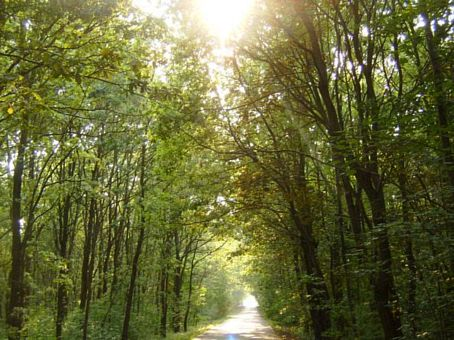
<point>247,324</point>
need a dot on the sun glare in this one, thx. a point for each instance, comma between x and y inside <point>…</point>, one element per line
<point>223,17</point>
<point>250,302</point>
<point>154,7</point>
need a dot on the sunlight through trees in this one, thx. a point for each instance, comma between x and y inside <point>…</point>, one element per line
<point>165,163</point>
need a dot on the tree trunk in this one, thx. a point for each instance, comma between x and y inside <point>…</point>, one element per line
<point>138,251</point>
<point>118,245</point>
<point>132,282</point>
<point>316,288</point>
<point>189,302</point>
<point>163,299</point>
<point>15,318</point>
<point>299,275</point>
<point>92,228</point>
<point>384,291</point>
<point>177,285</point>
<point>63,239</point>
<point>343,251</point>
<point>89,239</point>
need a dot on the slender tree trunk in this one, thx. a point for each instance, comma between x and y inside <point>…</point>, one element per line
<point>132,282</point>
<point>177,285</point>
<point>353,206</point>
<point>189,301</point>
<point>99,249</point>
<point>86,314</point>
<point>105,267</point>
<point>384,290</point>
<point>62,302</point>
<point>86,274</point>
<point>343,251</point>
<point>118,246</point>
<point>63,239</point>
<point>15,318</point>
<point>91,268</point>
<point>138,251</point>
<point>163,299</point>
<point>92,228</point>
<point>316,288</point>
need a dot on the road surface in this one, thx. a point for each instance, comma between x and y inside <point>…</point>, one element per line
<point>247,324</point>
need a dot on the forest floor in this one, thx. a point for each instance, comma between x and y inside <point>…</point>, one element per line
<point>246,324</point>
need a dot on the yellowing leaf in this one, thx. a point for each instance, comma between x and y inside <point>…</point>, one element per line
<point>37,96</point>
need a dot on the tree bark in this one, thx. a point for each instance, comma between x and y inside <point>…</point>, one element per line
<point>63,239</point>
<point>177,285</point>
<point>132,282</point>
<point>15,318</point>
<point>384,290</point>
<point>316,288</point>
<point>189,301</point>
<point>138,251</point>
<point>163,302</point>
<point>92,227</point>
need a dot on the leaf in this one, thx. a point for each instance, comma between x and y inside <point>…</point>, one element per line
<point>37,96</point>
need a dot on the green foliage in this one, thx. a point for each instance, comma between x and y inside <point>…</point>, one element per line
<point>319,152</point>
<point>39,322</point>
<point>105,322</point>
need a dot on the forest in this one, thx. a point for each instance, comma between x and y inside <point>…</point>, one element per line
<point>158,163</point>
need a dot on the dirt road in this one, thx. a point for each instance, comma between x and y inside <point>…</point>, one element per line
<point>247,324</point>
